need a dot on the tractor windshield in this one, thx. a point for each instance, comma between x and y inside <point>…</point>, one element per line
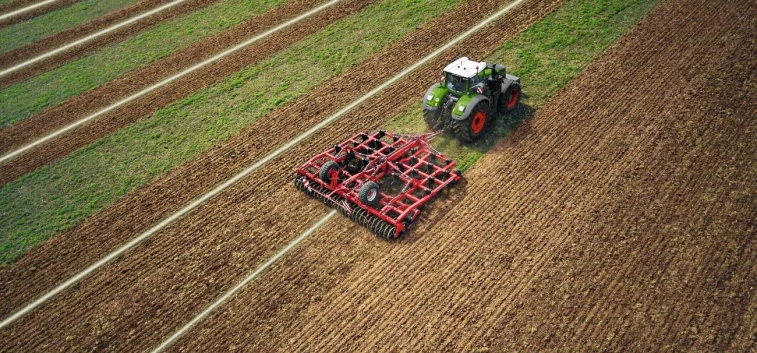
<point>456,83</point>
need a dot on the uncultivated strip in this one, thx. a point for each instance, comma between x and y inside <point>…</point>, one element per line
<point>132,109</point>
<point>88,38</point>
<point>65,38</point>
<point>171,79</point>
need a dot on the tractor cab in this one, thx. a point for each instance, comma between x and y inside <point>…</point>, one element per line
<point>463,76</point>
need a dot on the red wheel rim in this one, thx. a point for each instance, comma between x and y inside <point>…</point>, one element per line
<point>513,99</point>
<point>478,122</point>
<point>333,177</point>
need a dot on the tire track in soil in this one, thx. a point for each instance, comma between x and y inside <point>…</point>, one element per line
<point>53,119</point>
<point>17,5</point>
<point>58,40</point>
<point>146,303</point>
<point>380,276</point>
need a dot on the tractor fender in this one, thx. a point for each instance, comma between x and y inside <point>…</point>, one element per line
<point>434,97</point>
<point>468,104</point>
<point>508,81</point>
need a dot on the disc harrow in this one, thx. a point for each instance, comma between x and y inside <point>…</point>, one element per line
<point>380,180</point>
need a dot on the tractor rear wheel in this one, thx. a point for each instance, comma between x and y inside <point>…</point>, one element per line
<point>511,98</point>
<point>369,194</point>
<point>472,127</point>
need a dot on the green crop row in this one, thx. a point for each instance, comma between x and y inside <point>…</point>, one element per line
<point>23,33</point>
<point>51,88</point>
<point>546,57</point>
<point>60,195</point>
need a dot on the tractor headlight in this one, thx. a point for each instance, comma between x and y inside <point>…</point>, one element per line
<point>461,108</point>
<point>429,98</point>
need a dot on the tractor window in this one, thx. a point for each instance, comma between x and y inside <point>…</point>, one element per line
<point>476,80</point>
<point>477,84</point>
<point>456,83</point>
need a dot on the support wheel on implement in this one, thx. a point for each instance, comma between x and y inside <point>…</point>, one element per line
<point>472,127</point>
<point>329,173</point>
<point>369,194</point>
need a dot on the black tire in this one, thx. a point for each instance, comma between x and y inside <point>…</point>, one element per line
<point>432,118</point>
<point>511,98</point>
<point>326,170</point>
<point>474,126</point>
<point>299,183</point>
<point>369,194</point>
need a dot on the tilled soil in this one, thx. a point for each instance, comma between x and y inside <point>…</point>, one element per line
<point>158,286</point>
<point>58,40</point>
<point>92,101</point>
<point>620,217</point>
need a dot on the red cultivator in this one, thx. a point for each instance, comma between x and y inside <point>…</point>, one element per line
<point>380,180</point>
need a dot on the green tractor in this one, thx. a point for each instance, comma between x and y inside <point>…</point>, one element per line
<point>468,97</point>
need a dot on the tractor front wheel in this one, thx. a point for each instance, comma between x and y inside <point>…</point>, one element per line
<point>432,118</point>
<point>474,126</point>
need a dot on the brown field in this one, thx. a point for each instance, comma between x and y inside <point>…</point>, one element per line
<point>619,217</point>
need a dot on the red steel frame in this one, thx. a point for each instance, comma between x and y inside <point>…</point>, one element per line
<point>371,157</point>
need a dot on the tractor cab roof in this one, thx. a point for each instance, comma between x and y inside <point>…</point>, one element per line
<point>465,67</point>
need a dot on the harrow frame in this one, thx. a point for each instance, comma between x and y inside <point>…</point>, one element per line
<point>338,176</point>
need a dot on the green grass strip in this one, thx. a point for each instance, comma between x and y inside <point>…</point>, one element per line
<point>51,88</point>
<point>58,196</point>
<point>23,33</point>
<point>546,57</point>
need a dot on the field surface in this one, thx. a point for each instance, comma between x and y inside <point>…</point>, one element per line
<point>613,211</point>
